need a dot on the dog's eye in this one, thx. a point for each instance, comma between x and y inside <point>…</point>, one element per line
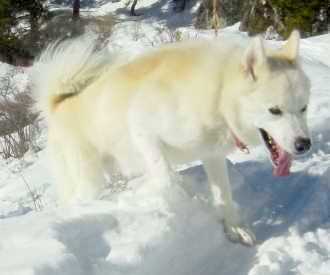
<point>275,111</point>
<point>304,109</point>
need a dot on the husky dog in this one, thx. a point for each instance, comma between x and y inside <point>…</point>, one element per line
<point>185,101</point>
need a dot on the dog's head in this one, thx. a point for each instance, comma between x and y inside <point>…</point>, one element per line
<point>275,109</point>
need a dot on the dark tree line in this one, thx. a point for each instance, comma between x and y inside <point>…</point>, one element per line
<point>311,17</point>
<point>20,22</point>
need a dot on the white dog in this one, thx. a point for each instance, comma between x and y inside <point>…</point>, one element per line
<point>181,102</point>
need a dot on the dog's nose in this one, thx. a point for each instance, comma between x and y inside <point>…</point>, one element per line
<point>302,145</point>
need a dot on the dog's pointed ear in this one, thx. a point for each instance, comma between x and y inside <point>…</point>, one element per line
<point>254,57</point>
<point>290,50</point>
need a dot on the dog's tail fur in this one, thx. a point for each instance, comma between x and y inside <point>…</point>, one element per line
<point>65,69</point>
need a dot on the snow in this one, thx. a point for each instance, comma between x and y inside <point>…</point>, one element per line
<point>144,229</point>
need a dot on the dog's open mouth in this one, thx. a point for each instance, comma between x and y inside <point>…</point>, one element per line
<point>280,158</point>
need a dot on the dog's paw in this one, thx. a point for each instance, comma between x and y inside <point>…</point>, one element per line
<point>239,234</point>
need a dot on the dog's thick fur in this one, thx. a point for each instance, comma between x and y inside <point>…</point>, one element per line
<point>181,102</point>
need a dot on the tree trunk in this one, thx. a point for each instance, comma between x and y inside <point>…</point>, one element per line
<point>179,5</point>
<point>218,13</point>
<point>133,8</point>
<point>76,9</point>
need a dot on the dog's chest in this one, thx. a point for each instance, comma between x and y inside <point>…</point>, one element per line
<point>193,145</point>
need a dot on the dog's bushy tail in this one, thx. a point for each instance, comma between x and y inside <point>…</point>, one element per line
<point>65,69</point>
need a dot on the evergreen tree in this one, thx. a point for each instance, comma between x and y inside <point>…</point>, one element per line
<point>19,28</point>
<point>311,17</point>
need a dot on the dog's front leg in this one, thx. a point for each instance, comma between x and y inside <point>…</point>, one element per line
<point>217,173</point>
<point>155,164</point>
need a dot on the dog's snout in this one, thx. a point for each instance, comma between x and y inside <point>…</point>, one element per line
<point>302,145</point>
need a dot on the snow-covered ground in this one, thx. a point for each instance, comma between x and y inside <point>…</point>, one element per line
<point>144,230</point>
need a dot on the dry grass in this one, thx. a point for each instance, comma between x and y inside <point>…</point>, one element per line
<point>18,124</point>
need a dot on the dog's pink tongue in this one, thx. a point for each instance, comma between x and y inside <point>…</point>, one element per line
<point>284,163</point>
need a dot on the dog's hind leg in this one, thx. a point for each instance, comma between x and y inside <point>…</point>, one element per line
<point>88,173</point>
<point>217,173</point>
<point>79,172</point>
<point>60,170</point>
